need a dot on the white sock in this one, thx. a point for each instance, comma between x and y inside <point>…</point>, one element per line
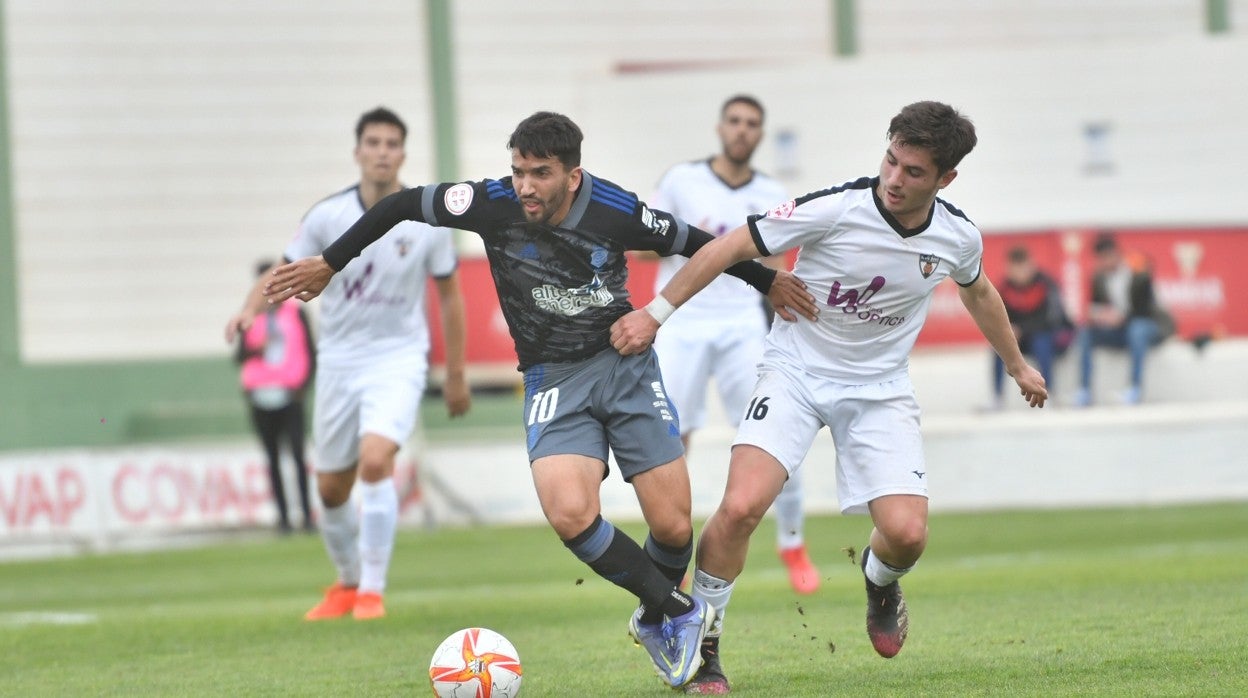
<point>788,508</point>
<point>379,517</point>
<point>715,592</point>
<point>340,531</point>
<point>881,573</point>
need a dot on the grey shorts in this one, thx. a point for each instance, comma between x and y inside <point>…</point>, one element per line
<point>607,401</point>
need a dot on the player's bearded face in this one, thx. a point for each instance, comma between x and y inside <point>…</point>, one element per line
<point>909,182</point>
<point>740,131</point>
<point>544,187</point>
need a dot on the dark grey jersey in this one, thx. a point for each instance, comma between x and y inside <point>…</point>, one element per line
<point>560,286</point>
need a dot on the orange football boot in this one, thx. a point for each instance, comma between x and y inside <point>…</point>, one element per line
<point>339,601</point>
<point>802,573</point>
<point>368,606</point>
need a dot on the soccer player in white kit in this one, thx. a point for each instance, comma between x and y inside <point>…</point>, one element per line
<point>721,329</point>
<point>875,249</point>
<point>371,364</point>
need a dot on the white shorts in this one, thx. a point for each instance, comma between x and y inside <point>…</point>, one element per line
<point>691,353</point>
<point>381,398</point>
<point>879,446</point>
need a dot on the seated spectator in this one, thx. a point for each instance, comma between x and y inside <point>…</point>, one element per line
<point>1123,314</point>
<point>1034,305</point>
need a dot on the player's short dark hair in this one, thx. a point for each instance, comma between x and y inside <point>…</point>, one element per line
<point>743,99</point>
<point>380,115</point>
<point>547,134</point>
<point>1104,242</point>
<point>939,128</point>
<point>1018,254</point>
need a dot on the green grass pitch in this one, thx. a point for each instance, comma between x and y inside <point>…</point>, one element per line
<point>1128,602</point>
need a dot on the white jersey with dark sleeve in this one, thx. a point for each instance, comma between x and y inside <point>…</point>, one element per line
<point>376,305</point>
<point>560,287</point>
<point>693,192</point>
<point>874,278</point>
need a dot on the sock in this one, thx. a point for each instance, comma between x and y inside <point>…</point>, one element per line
<point>881,573</point>
<point>618,559</point>
<point>716,593</point>
<point>339,530</point>
<point>788,508</point>
<point>673,563</point>
<point>379,516</point>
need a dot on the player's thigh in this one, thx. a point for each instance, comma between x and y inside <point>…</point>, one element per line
<point>780,419</point>
<point>336,420</point>
<point>390,395</point>
<point>558,412</point>
<point>641,425</point>
<point>879,445</point>
<point>686,353</point>
<point>736,370</point>
<point>567,487</point>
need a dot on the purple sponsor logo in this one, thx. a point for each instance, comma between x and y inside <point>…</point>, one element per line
<point>854,302</point>
<point>852,298</point>
<point>355,286</point>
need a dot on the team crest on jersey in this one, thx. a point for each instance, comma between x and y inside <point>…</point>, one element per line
<point>404,245</point>
<point>928,264</point>
<point>784,210</point>
<point>458,198</point>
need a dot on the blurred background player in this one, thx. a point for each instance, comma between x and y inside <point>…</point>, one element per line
<point>1033,303</point>
<point>1123,314</point>
<point>371,364</point>
<point>876,249</point>
<point>556,238</point>
<point>278,361</point>
<point>721,329</point>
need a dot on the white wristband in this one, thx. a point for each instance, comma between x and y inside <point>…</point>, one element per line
<point>660,309</point>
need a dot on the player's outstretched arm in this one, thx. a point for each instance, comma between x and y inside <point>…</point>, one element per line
<point>984,304</point>
<point>635,331</point>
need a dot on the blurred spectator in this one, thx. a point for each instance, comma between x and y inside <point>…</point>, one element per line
<point>1033,303</point>
<point>277,363</point>
<point>1123,314</point>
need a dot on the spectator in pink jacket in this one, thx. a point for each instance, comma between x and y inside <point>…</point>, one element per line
<point>278,360</point>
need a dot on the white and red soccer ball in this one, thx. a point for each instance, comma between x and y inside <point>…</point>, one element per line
<point>475,663</point>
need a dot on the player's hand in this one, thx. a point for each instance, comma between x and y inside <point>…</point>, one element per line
<point>303,279</point>
<point>634,332</point>
<point>1031,385</point>
<point>788,294</point>
<point>240,323</point>
<point>457,396</point>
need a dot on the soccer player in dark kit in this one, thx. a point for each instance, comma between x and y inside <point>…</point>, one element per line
<point>556,237</point>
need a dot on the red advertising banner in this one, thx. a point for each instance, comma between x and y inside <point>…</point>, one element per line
<point>1196,274</point>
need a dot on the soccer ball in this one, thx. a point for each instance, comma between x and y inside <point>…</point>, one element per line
<point>475,663</point>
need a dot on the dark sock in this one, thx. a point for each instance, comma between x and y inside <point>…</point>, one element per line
<point>673,562</point>
<point>618,559</point>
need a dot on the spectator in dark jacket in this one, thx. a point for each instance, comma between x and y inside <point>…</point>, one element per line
<point>1123,314</point>
<point>1033,303</point>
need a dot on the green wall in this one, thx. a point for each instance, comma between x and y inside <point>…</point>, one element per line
<point>60,405</point>
<point>92,404</point>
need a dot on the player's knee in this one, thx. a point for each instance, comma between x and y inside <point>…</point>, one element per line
<point>334,492</point>
<point>909,535</point>
<point>569,522</point>
<point>741,513</point>
<point>673,531</point>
